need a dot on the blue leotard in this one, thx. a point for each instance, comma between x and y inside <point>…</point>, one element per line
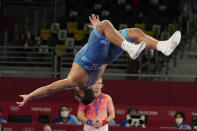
<point>97,52</point>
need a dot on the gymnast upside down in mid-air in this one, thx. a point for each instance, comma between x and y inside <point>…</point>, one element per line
<point>104,46</point>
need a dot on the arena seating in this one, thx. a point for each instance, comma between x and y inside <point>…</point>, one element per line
<point>6,23</point>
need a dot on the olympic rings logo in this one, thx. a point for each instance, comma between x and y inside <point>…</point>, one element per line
<point>172,113</point>
<point>120,111</point>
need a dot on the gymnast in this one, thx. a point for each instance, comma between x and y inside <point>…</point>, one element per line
<point>104,46</point>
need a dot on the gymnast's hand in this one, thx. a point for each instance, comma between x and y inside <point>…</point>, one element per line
<point>94,19</point>
<point>25,100</point>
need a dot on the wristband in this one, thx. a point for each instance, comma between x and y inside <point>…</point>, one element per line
<point>104,122</point>
<point>89,122</point>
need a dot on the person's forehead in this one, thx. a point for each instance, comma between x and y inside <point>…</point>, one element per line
<point>99,81</point>
<point>47,127</point>
<point>178,115</point>
<point>64,108</point>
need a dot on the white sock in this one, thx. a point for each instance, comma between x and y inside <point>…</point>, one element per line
<point>125,46</point>
<point>132,49</point>
<point>161,46</point>
<point>168,46</point>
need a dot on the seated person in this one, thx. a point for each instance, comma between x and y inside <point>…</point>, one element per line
<point>65,117</point>
<point>134,119</point>
<point>179,119</point>
<point>1,119</point>
<point>131,111</point>
<point>47,127</point>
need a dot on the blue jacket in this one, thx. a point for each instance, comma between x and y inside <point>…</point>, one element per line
<point>184,126</point>
<point>71,120</point>
<point>123,123</point>
<point>3,121</point>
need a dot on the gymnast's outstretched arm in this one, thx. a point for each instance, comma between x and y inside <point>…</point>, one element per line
<point>44,91</point>
<point>77,77</point>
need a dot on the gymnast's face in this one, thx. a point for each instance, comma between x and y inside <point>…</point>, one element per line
<point>87,95</point>
<point>78,94</point>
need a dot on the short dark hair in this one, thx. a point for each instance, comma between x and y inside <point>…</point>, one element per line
<point>180,113</point>
<point>88,96</point>
<point>62,107</point>
<point>131,109</point>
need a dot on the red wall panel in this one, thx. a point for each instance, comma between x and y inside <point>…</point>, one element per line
<point>38,127</point>
<point>158,116</point>
<point>122,91</point>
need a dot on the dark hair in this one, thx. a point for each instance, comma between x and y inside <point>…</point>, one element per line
<point>76,92</point>
<point>88,96</point>
<point>130,109</point>
<point>180,113</point>
<point>62,107</point>
<point>47,125</point>
<point>1,110</point>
